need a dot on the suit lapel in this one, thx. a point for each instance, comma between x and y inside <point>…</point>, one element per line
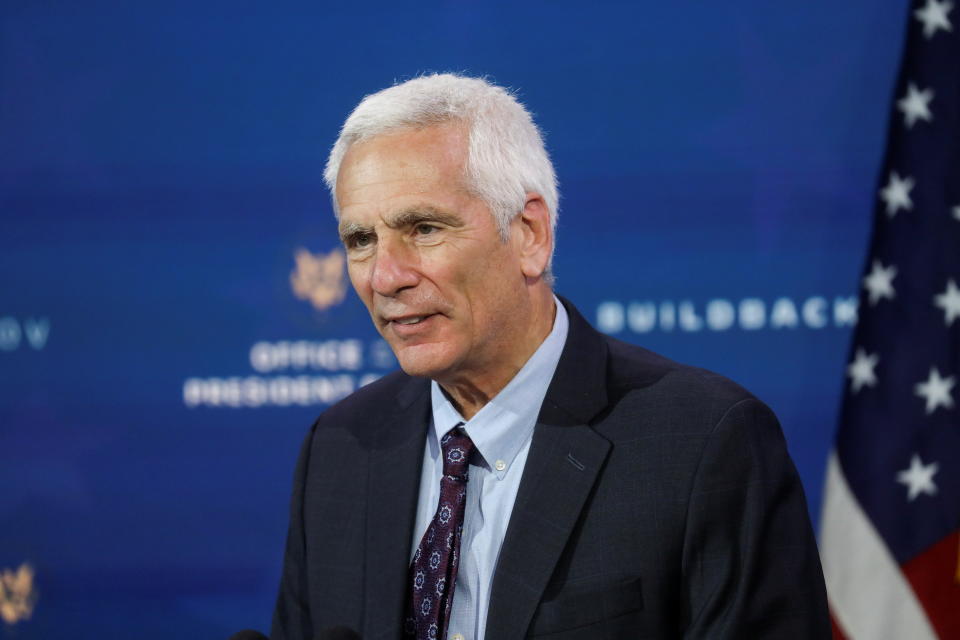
<point>565,460</point>
<point>563,465</point>
<point>393,483</point>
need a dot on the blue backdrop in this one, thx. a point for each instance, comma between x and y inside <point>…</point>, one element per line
<point>160,173</point>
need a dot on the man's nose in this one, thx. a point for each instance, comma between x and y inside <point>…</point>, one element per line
<point>394,268</point>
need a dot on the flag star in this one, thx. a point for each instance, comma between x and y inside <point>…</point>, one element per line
<point>861,370</point>
<point>918,478</point>
<point>915,105</point>
<point>956,212</point>
<point>934,16</point>
<point>949,301</point>
<point>936,391</point>
<point>879,282</point>
<point>897,193</point>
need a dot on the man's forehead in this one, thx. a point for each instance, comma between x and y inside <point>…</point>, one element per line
<point>402,202</point>
<point>415,153</point>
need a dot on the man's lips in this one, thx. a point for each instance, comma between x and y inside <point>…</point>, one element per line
<point>408,320</point>
<point>409,324</point>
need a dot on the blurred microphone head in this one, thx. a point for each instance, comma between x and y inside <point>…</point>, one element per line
<point>248,634</point>
<point>338,633</point>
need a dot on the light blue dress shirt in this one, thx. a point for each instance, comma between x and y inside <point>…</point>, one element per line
<point>501,432</point>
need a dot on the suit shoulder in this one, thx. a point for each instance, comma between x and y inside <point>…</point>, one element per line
<point>636,373</point>
<point>367,403</point>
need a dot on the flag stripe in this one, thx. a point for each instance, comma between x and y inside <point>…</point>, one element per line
<point>933,577</point>
<point>835,630</point>
<point>869,595</point>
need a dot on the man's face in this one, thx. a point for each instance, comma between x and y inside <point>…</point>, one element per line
<point>426,258</point>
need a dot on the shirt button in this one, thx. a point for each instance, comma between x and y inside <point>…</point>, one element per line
<point>500,465</point>
<point>456,636</point>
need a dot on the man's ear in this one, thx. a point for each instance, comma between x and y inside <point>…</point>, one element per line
<point>533,236</point>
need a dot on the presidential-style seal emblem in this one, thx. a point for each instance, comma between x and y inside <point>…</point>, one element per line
<point>17,594</point>
<point>319,278</point>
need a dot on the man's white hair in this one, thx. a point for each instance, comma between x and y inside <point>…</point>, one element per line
<point>506,157</point>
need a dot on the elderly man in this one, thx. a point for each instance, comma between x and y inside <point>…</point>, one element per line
<point>524,475</point>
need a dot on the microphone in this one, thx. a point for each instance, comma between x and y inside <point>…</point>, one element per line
<point>248,634</point>
<point>337,633</point>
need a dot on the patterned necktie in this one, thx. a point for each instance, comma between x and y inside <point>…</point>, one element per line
<point>433,573</point>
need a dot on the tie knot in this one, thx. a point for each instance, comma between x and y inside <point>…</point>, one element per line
<point>456,446</point>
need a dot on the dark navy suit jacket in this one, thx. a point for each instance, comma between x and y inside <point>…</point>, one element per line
<point>657,501</point>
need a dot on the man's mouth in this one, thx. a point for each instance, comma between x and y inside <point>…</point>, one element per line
<point>410,320</point>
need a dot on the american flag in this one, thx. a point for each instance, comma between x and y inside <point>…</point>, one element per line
<point>889,535</point>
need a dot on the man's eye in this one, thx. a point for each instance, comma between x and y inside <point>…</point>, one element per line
<point>362,240</point>
<point>425,229</point>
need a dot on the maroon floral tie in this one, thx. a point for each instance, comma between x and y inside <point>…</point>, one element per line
<point>433,573</point>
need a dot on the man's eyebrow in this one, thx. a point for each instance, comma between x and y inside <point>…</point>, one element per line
<point>409,217</point>
<point>349,230</point>
<point>423,213</point>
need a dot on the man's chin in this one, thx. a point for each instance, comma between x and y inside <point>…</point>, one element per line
<point>423,361</point>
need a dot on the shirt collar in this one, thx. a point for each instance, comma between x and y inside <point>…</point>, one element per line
<point>501,428</point>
